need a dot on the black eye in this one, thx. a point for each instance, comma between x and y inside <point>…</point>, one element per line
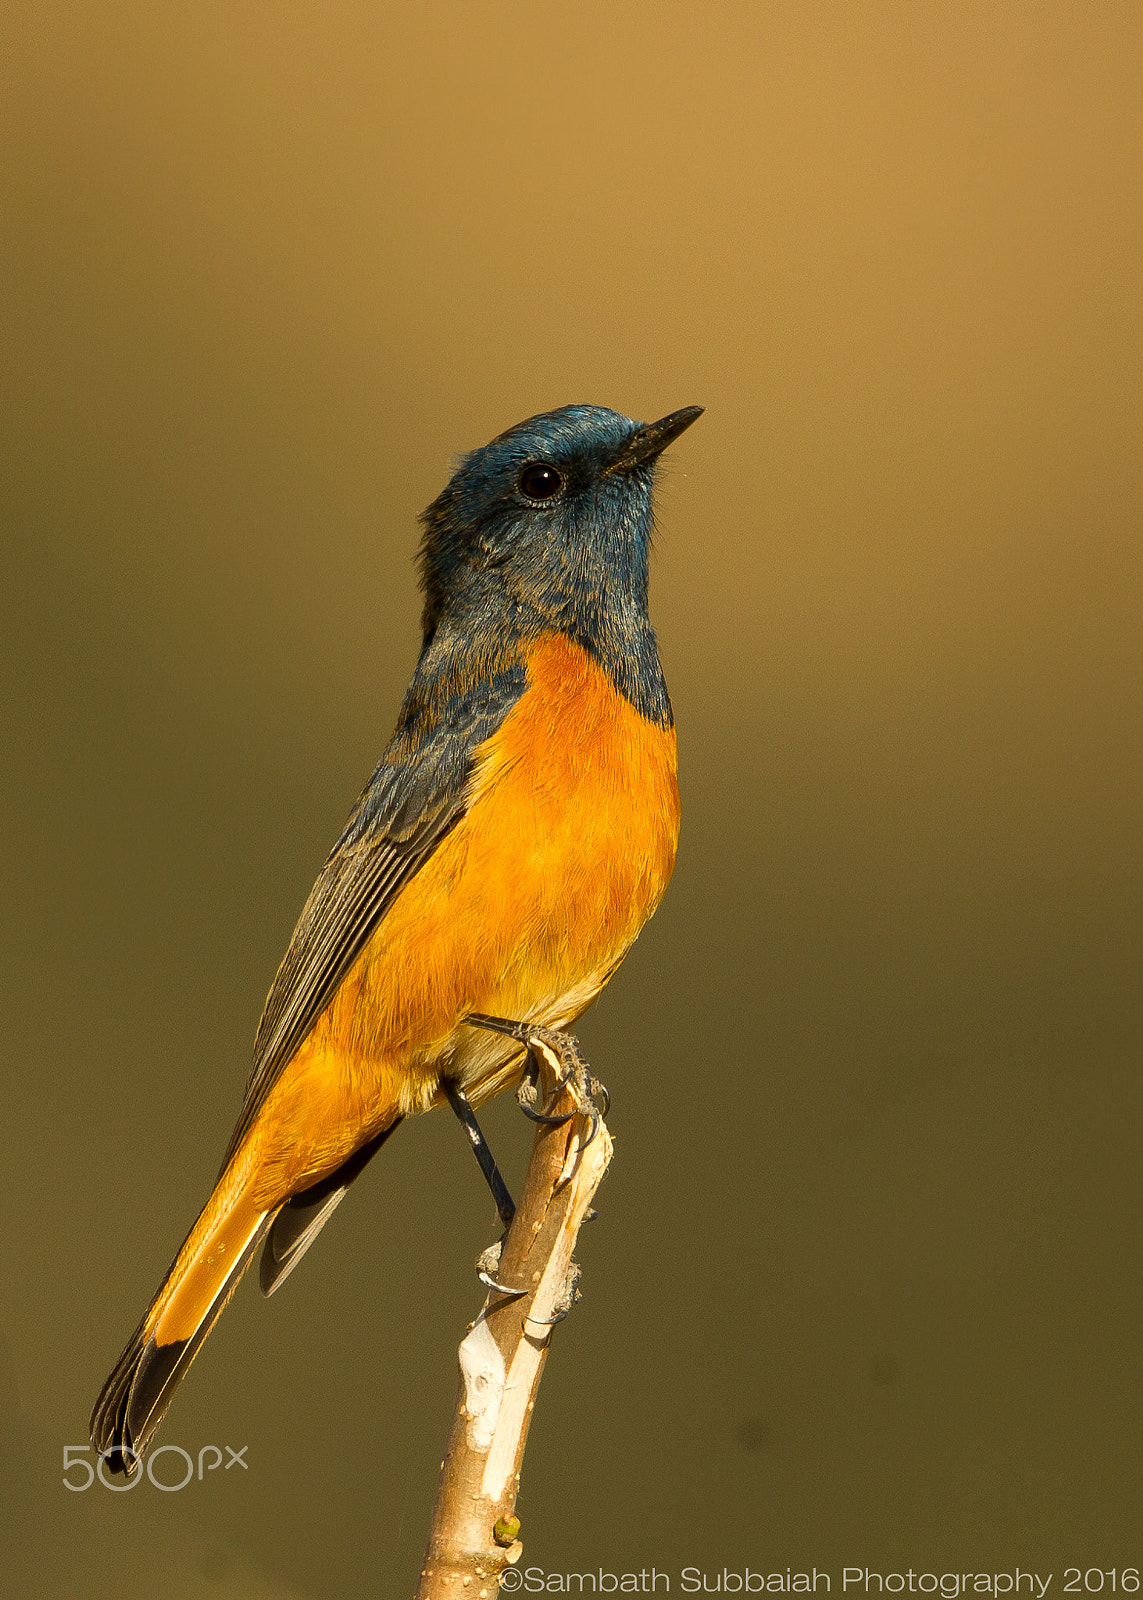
<point>540,481</point>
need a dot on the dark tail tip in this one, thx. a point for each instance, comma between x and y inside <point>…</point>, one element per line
<point>109,1428</point>
<point>135,1397</point>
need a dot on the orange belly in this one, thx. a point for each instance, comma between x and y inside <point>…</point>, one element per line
<point>524,911</point>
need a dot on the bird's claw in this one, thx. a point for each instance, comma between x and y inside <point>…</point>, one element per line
<point>486,1264</point>
<point>500,1288</point>
<point>595,1121</point>
<point>541,1116</point>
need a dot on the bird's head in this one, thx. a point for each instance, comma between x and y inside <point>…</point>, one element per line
<point>550,520</point>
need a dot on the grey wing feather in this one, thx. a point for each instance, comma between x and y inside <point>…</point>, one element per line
<point>304,1215</point>
<point>352,893</point>
<point>417,795</point>
<point>280,1261</point>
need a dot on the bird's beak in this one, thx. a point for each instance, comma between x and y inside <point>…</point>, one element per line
<point>654,437</point>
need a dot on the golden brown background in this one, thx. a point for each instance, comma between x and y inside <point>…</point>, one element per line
<point>866,1285</point>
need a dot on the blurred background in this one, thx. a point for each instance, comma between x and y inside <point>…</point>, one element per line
<point>865,1288</point>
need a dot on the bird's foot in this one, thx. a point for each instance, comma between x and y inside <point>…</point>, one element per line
<point>487,1266</point>
<point>561,1053</point>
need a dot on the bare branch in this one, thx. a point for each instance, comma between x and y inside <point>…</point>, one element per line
<point>474,1532</point>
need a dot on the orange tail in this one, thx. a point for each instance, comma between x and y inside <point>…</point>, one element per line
<point>203,1276</point>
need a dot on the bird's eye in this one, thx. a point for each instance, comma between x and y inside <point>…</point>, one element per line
<point>540,481</point>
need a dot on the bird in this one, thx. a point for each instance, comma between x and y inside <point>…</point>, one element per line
<point>519,829</point>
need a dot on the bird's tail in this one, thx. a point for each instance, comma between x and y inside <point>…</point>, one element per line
<point>203,1276</point>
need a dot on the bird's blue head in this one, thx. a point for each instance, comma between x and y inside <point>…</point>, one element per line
<point>548,529</point>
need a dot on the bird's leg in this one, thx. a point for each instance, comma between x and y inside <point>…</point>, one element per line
<point>489,1259</point>
<point>565,1059</point>
<point>458,1100</point>
<point>561,1054</point>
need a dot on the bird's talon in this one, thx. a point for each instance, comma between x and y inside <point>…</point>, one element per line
<point>487,1263</point>
<point>542,1117</point>
<point>549,1322</point>
<point>501,1288</point>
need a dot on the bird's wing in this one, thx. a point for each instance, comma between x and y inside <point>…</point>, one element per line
<point>414,799</point>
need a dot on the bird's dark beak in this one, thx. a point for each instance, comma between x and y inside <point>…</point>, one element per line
<point>654,437</point>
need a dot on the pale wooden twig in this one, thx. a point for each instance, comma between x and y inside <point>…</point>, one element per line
<point>474,1531</point>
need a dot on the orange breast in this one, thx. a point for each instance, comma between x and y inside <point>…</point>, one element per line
<point>523,911</point>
